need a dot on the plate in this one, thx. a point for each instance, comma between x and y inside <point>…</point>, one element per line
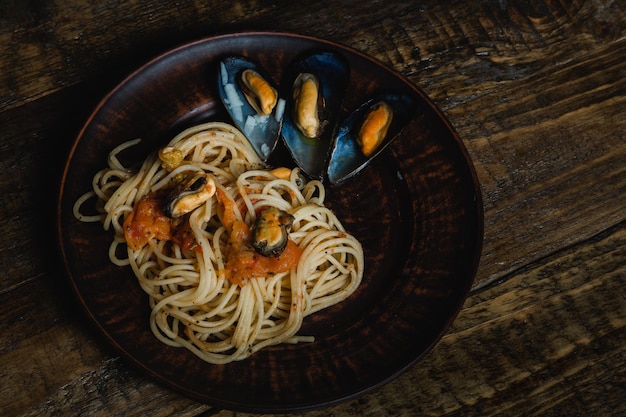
<point>416,209</point>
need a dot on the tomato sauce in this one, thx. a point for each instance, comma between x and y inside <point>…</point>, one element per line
<point>228,215</point>
<point>244,262</point>
<point>145,222</point>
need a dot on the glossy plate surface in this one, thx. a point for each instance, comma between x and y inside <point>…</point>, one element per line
<point>416,209</point>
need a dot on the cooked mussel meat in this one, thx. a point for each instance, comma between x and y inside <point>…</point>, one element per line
<point>270,231</point>
<point>288,174</point>
<point>374,128</point>
<point>190,194</point>
<point>258,91</point>
<point>308,105</point>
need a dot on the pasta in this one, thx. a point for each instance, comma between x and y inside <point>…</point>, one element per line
<point>198,299</point>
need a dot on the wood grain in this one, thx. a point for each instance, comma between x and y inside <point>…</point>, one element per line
<point>537,92</point>
<point>542,375</point>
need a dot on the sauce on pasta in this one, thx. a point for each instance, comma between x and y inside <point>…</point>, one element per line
<point>209,290</point>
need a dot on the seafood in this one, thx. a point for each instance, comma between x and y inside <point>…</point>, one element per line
<point>287,173</point>
<point>251,98</point>
<point>270,231</point>
<point>307,105</point>
<point>365,132</point>
<point>170,158</point>
<point>315,86</point>
<point>305,111</point>
<point>258,91</point>
<point>374,127</point>
<point>189,195</point>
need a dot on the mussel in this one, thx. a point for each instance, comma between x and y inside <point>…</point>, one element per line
<point>251,98</point>
<point>366,132</point>
<point>305,114</point>
<point>261,95</point>
<point>315,86</point>
<point>374,128</point>
<point>308,105</point>
<point>190,194</point>
<point>270,231</point>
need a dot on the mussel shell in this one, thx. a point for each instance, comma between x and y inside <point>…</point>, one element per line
<point>270,231</point>
<point>332,72</point>
<point>346,158</point>
<point>262,131</point>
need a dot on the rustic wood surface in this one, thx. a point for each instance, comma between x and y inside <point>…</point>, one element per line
<point>536,90</point>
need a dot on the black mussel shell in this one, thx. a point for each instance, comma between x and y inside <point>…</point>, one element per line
<point>347,158</point>
<point>331,73</point>
<point>263,131</point>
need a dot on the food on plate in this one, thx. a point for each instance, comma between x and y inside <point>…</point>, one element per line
<point>314,87</point>
<point>366,131</point>
<point>251,98</point>
<point>374,128</point>
<point>258,91</point>
<point>307,112</point>
<point>308,105</point>
<point>233,255</point>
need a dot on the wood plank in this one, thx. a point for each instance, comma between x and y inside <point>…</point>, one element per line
<point>35,145</point>
<point>545,338</point>
<point>57,363</point>
<point>548,341</point>
<point>538,94</point>
<point>60,43</point>
<point>501,349</point>
<point>52,45</point>
<point>492,86</point>
<point>599,100</point>
<point>535,161</point>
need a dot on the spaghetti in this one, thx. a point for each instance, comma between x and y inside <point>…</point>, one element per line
<point>185,264</point>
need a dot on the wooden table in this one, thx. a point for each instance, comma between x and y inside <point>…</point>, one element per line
<point>537,92</point>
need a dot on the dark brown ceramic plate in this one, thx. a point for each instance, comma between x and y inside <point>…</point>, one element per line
<point>416,209</point>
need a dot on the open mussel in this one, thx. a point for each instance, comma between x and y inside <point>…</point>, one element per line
<point>366,132</point>
<point>261,95</point>
<point>252,100</point>
<point>305,114</point>
<point>189,194</point>
<point>270,231</point>
<point>314,86</point>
